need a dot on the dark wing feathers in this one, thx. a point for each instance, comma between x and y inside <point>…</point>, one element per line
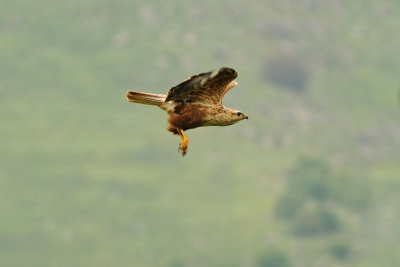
<point>206,87</point>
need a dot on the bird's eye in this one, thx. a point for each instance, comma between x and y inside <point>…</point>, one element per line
<point>239,113</point>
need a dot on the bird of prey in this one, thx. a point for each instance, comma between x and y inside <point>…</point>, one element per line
<point>195,102</point>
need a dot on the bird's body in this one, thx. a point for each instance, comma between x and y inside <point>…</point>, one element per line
<point>195,103</point>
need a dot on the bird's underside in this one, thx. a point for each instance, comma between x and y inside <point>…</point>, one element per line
<point>195,102</point>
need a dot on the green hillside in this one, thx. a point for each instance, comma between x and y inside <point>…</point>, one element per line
<point>311,179</point>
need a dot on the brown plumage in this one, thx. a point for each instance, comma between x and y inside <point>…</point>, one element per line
<point>194,103</point>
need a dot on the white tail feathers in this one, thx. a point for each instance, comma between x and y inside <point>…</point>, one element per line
<point>145,98</point>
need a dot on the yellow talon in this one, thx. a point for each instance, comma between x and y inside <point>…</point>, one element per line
<point>184,144</point>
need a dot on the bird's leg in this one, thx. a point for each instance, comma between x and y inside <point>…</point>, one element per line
<point>184,144</point>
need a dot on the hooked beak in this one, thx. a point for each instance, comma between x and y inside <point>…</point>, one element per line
<point>244,116</point>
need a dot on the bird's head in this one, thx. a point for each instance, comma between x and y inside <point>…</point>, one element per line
<point>236,115</point>
<point>241,115</point>
<point>227,117</point>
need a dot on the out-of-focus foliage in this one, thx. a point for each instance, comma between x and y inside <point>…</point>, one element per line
<point>88,179</point>
<point>287,71</point>
<point>317,203</point>
<point>340,249</point>
<point>273,258</point>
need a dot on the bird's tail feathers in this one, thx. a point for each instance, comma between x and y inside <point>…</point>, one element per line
<point>145,98</point>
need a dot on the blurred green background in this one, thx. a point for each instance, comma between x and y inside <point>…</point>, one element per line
<point>88,179</point>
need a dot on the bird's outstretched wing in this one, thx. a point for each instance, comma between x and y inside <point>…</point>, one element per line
<point>209,87</point>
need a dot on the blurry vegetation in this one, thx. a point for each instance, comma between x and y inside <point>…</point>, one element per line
<point>340,249</point>
<point>287,71</point>
<point>177,263</point>
<point>315,221</point>
<point>313,195</point>
<point>319,202</point>
<point>273,258</point>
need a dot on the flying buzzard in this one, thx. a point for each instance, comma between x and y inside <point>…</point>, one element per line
<point>194,103</point>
